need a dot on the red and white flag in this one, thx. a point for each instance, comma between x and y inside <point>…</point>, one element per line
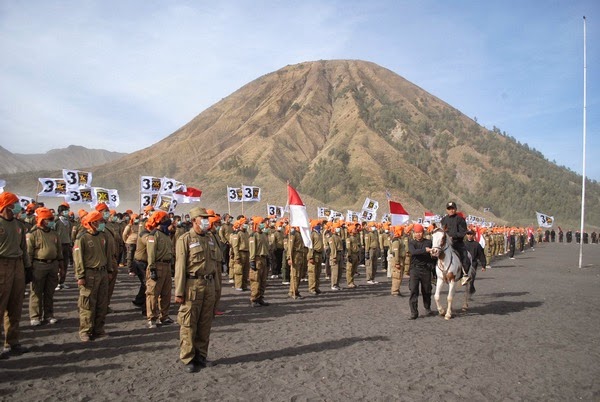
<point>190,195</point>
<point>298,215</point>
<point>398,214</point>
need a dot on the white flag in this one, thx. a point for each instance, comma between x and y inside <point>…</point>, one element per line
<point>113,198</point>
<point>251,193</point>
<point>24,201</point>
<point>169,186</point>
<point>370,205</point>
<point>148,200</point>
<point>77,178</point>
<point>53,187</point>
<point>166,202</point>
<point>544,221</point>
<point>234,194</point>
<point>275,211</point>
<point>149,184</point>
<point>352,216</point>
<point>2,185</point>
<point>323,212</point>
<point>368,215</point>
<point>81,195</point>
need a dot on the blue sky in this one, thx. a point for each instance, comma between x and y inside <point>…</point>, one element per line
<point>123,75</point>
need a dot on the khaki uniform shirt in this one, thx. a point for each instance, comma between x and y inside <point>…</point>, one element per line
<point>259,245</point>
<point>372,240</point>
<point>335,247</point>
<point>64,228</point>
<point>317,248</point>
<point>398,251</point>
<point>12,240</point>
<point>44,244</point>
<point>225,231</point>
<point>92,251</point>
<point>158,247</point>
<point>352,246</point>
<point>194,254</point>
<point>239,242</point>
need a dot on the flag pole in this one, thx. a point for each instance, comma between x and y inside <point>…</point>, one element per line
<point>242,198</point>
<point>584,135</point>
<point>228,202</point>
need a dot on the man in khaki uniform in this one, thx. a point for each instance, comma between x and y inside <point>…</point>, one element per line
<point>64,227</point>
<point>14,262</point>
<point>45,251</point>
<point>398,251</point>
<point>195,273</point>
<point>315,258</point>
<point>353,255</point>
<point>114,238</point>
<point>259,250</point>
<point>276,243</point>
<point>159,252</point>
<point>296,258</point>
<point>93,261</point>
<point>336,250</point>
<point>371,253</point>
<point>241,258</point>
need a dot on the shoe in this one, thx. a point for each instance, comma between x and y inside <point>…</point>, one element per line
<point>512,258</point>
<point>464,280</point>
<point>311,293</point>
<point>327,277</point>
<point>58,287</point>
<point>413,317</point>
<point>262,302</point>
<point>191,367</point>
<point>395,294</point>
<point>218,312</point>
<point>52,320</point>
<point>16,350</point>
<point>137,303</point>
<point>202,362</point>
<point>371,282</point>
<point>238,289</point>
<point>98,335</point>
<point>428,312</point>
<point>36,323</point>
<point>255,304</point>
<point>335,287</point>
<point>285,283</point>
<point>318,292</point>
<point>151,324</point>
<point>84,337</point>
<point>488,267</point>
<point>167,321</point>
<point>230,281</point>
<point>352,286</point>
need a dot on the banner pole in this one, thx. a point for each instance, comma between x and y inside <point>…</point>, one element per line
<point>584,135</point>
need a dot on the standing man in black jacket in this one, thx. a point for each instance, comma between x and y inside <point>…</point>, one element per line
<point>421,265</point>
<point>456,227</point>
<point>477,256</point>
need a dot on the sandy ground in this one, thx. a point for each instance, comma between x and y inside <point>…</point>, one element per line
<point>532,333</point>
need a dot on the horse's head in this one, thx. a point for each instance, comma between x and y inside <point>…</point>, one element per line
<point>440,241</point>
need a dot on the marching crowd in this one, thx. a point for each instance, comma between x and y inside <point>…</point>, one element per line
<point>195,255</point>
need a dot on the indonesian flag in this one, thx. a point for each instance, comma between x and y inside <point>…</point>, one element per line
<point>191,194</point>
<point>298,215</point>
<point>429,214</point>
<point>480,237</point>
<point>398,214</point>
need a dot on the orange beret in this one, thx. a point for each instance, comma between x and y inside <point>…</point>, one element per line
<point>418,228</point>
<point>113,212</point>
<point>155,219</point>
<point>30,207</point>
<point>82,212</point>
<point>148,208</point>
<point>101,207</point>
<point>398,231</point>
<point>41,214</point>
<point>65,204</point>
<point>7,199</point>
<point>92,217</point>
<point>129,212</point>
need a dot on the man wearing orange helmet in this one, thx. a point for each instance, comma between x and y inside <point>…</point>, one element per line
<point>258,244</point>
<point>352,255</point>
<point>372,250</point>
<point>93,257</point>
<point>14,262</point>
<point>398,254</point>
<point>45,251</point>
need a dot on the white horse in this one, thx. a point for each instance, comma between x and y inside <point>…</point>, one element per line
<point>448,266</point>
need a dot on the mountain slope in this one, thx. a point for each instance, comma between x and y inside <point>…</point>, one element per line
<point>342,130</point>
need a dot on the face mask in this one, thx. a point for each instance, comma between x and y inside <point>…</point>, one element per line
<point>338,230</point>
<point>245,226</point>
<point>51,225</point>
<point>318,228</point>
<point>387,231</point>
<point>136,221</point>
<point>178,224</point>
<point>115,219</point>
<point>101,227</point>
<point>106,215</point>
<point>292,231</point>
<point>261,226</point>
<point>17,208</point>
<point>373,229</point>
<point>204,224</point>
<point>65,213</point>
<point>279,228</point>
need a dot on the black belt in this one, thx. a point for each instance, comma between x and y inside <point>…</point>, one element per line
<point>102,268</point>
<point>196,276</point>
<point>44,261</point>
<point>165,261</point>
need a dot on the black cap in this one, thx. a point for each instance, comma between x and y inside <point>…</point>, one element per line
<point>451,205</point>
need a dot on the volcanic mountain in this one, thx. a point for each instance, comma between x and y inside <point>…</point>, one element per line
<point>343,130</point>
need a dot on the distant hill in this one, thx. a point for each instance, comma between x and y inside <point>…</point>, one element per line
<point>344,130</point>
<point>72,157</point>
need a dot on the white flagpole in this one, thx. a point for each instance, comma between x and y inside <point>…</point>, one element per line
<point>584,135</point>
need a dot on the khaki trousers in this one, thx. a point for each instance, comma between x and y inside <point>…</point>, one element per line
<point>12,291</point>
<point>314,274</point>
<point>41,298</point>
<point>158,292</point>
<point>195,318</point>
<point>93,302</point>
<point>258,279</point>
